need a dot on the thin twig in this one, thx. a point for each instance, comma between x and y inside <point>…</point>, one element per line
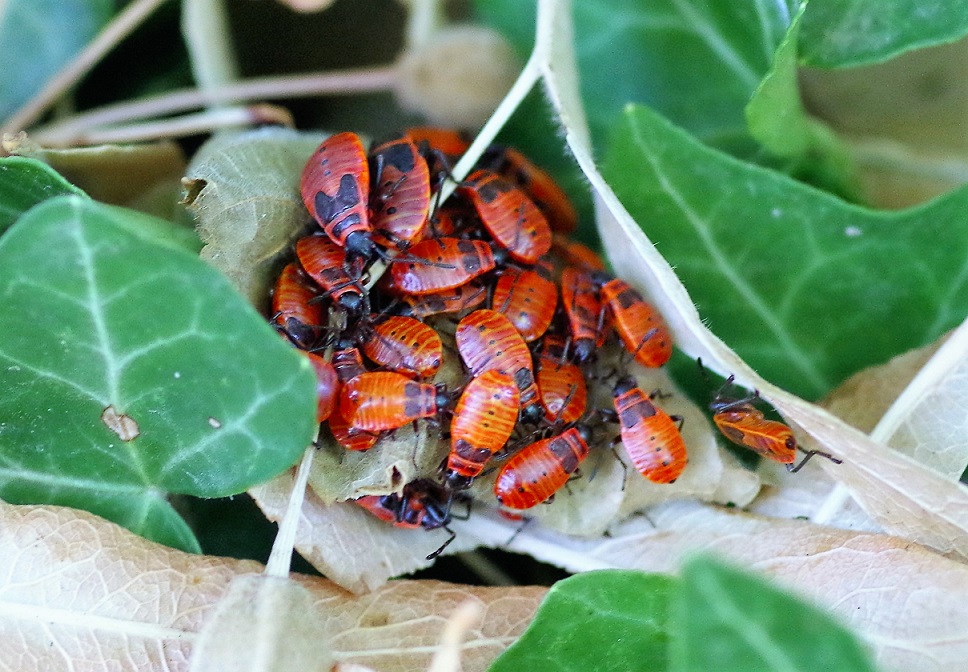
<point>118,29</point>
<point>362,80</point>
<point>189,124</point>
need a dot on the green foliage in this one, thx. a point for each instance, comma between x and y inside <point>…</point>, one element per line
<point>729,620</point>
<point>111,319</point>
<point>39,37</point>
<point>26,182</point>
<point>607,620</point>
<point>712,618</point>
<point>842,33</point>
<point>807,288</point>
<point>697,62</point>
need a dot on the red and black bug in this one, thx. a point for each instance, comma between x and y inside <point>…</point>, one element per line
<point>535,473</point>
<point>538,184</point>
<point>441,148</point>
<point>400,195</point>
<point>579,296</point>
<point>564,394</point>
<point>650,436</point>
<point>452,144</point>
<point>441,264</point>
<point>453,300</point>
<point>348,364</point>
<point>453,218</point>
<point>512,219</point>
<point>348,436</point>
<point>405,345</point>
<point>335,188</point>
<point>483,421</point>
<point>638,323</point>
<point>384,400</point>
<point>487,341</point>
<point>745,425</point>
<point>347,361</point>
<point>325,262</point>
<point>576,254</point>
<point>423,503</point>
<point>327,386</point>
<point>295,308</point>
<point>528,298</point>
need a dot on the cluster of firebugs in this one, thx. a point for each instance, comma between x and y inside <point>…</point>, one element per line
<point>532,308</point>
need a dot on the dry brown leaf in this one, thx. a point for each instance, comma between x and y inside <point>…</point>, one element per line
<point>346,543</point>
<point>78,588</point>
<point>928,420</point>
<point>126,175</point>
<point>244,194</point>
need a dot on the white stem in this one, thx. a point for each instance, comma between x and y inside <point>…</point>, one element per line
<point>346,82</point>
<point>280,558</point>
<point>205,27</point>
<point>189,124</point>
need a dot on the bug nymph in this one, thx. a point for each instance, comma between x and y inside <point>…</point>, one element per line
<point>650,436</point>
<point>745,425</point>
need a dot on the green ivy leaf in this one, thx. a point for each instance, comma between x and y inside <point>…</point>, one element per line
<point>39,37</point>
<point>728,621</point>
<point>26,182</point>
<point>842,33</point>
<point>696,61</point>
<point>603,620</point>
<point>131,369</point>
<point>778,120</point>
<point>806,288</point>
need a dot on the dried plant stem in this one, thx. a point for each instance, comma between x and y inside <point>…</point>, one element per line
<point>280,558</point>
<point>425,19</point>
<point>122,26</point>
<point>466,617</point>
<point>189,124</point>
<point>345,82</point>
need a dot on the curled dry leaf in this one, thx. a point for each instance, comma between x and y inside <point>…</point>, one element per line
<point>246,203</point>
<point>346,543</point>
<point>78,588</point>
<point>863,399</point>
<point>117,174</point>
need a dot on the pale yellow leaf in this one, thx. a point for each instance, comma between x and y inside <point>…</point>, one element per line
<point>78,592</point>
<point>263,623</point>
<point>863,399</point>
